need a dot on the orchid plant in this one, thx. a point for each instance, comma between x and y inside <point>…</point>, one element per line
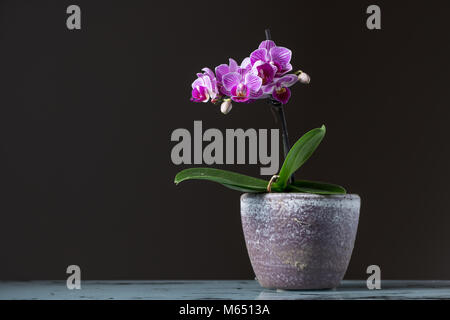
<point>265,75</point>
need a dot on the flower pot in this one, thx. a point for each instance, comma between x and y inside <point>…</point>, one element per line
<point>299,241</point>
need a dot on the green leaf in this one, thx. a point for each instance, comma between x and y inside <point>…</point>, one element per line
<point>241,189</point>
<point>229,179</point>
<point>299,153</point>
<point>315,187</point>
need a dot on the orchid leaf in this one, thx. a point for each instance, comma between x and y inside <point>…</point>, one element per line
<point>315,187</point>
<point>229,179</point>
<point>241,189</point>
<point>299,153</point>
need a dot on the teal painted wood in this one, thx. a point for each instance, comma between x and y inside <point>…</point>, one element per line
<point>198,290</point>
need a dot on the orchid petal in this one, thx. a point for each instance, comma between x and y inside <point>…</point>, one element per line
<point>245,63</point>
<point>287,80</point>
<point>242,72</point>
<point>198,83</point>
<point>267,44</point>
<point>208,83</point>
<point>240,93</point>
<point>285,69</point>
<point>195,94</point>
<point>282,95</point>
<point>281,55</point>
<point>209,72</point>
<point>200,94</point>
<point>221,70</point>
<point>231,80</point>
<point>259,54</point>
<point>265,71</point>
<point>253,82</point>
<point>240,99</point>
<point>233,65</point>
<point>256,94</point>
<point>268,89</point>
<point>224,91</point>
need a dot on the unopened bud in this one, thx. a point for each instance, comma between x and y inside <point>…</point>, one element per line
<point>304,78</point>
<point>226,106</point>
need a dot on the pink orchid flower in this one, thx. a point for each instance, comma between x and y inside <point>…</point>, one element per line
<point>280,88</point>
<point>242,85</point>
<point>269,54</point>
<point>222,70</point>
<point>205,86</point>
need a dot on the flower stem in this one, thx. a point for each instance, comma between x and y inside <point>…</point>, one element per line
<point>284,131</point>
<point>278,109</point>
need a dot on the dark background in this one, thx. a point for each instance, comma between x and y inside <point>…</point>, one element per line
<point>86,118</point>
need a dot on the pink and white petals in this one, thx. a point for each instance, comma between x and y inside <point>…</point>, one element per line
<point>259,55</point>
<point>267,44</point>
<point>281,58</point>
<point>242,86</point>
<point>287,80</point>
<point>205,86</point>
<point>240,93</point>
<point>265,71</point>
<point>200,94</point>
<point>284,82</point>
<point>282,94</point>
<point>230,80</point>
<point>246,65</point>
<point>280,89</point>
<point>262,75</point>
<point>208,72</point>
<point>223,69</point>
<point>254,84</point>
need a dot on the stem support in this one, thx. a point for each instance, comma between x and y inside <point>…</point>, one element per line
<point>278,109</point>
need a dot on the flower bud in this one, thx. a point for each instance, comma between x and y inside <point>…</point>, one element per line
<point>226,106</point>
<point>304,78</point>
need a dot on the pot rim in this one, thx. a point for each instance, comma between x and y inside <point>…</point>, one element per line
<point>300,195</point>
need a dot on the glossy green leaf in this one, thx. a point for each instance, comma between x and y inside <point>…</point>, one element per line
<point>315,187</point>
<point>226,178</point>
<point>242,189</point>
<point>299,153</point>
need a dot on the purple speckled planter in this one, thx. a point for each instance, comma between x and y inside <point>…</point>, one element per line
<point>297,240</point>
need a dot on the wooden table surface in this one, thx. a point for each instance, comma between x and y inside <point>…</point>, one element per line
<point>220,289</point>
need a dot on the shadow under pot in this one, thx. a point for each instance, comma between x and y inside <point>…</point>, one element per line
<point>299,241</point>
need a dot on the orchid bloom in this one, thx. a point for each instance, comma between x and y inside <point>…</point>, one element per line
<point>242,86</point>
<point>205,86</point>
<point>262,75</point>
<point>268,54</point>
<point>223,69</point>
<point>280,88</point>
<point>265,71</point>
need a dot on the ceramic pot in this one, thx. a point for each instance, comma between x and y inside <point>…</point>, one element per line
<point>299,241</point>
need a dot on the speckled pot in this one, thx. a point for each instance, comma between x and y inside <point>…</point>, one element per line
<point>299,241</point>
